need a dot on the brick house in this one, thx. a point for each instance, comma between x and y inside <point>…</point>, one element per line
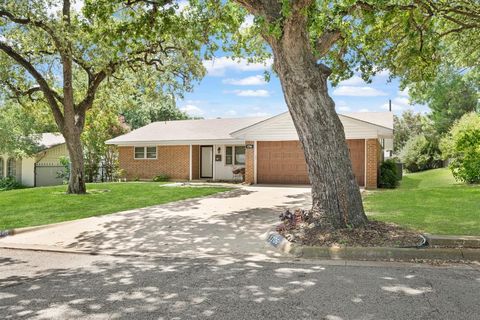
<point>268,149</point>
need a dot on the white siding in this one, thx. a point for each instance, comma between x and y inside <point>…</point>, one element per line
<point>282,128</point>
<point>223,171</point>
<point>28,172</point>
<point>52,155</point>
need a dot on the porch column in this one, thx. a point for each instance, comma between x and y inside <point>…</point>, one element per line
<point>190,164</point>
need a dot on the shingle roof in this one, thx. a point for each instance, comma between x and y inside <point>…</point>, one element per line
<point>186,130</point>
<point>219,129</point>
<point>48,140</point>
<point>384,119</point>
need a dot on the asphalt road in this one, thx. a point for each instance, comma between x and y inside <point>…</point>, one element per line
<point>40,285</point>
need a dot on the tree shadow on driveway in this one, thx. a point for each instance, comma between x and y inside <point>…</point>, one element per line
<point>190,227</point>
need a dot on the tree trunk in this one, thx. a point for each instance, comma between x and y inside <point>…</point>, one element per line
<point>337,202</point>
<point>76,182</point>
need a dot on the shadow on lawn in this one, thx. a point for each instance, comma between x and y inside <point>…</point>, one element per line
<point>231,288</point>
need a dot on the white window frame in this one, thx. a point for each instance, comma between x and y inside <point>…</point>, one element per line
<point>11,168</point>
<point>145,153</point>
<point>234,160</point>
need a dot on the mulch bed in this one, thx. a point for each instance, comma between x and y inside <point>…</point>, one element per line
<point>374,234</point>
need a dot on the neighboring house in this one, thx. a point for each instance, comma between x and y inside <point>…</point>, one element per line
<point>268,149</point>
<point>40,169</point>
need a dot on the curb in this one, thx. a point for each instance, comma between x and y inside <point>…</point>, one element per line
<point>453,241</point>
<point>12,232</point>
<point>371,253</point>
<point>384,253</point>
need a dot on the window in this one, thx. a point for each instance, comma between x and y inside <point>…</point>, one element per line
<point>239,155</point>
<point>1,168</point>
<point>145,152</point>
<point>11,168</point>
<point>235,154</point>
<point>228,155</point>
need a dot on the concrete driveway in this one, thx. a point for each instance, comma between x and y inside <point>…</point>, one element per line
<point>226,223</point>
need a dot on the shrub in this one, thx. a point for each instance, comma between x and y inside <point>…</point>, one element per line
<point>420,153</point>
<point>161,178</point>
<point>9,183</point>
<point>388,174</point>
<point>462,147</point>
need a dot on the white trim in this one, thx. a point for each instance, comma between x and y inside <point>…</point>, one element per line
<point>174,142</point>
<point>145,152</point>
<point>255,155</point>
<point>190,173</point>
<point>365,165</point>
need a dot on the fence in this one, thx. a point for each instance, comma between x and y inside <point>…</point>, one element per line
<point>54,174</point>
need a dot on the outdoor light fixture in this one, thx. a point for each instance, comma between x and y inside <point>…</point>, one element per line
<point>219,150</point>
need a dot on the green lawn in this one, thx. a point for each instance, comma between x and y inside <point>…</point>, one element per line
<point>430,201</point>
<point>38,206</point>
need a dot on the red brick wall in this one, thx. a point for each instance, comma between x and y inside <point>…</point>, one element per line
<point>373,162</point>
<point>195,162</point>
<point>171,160</point>
<point>249,164</point>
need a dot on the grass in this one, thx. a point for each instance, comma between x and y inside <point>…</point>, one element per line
<point>430,201</point>
<point>39,206</point>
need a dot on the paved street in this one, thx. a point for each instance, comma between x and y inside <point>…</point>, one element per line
<point>40,285</point>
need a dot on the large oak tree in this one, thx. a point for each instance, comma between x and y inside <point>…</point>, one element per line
<point>53,52</point>
<point>314,42</point>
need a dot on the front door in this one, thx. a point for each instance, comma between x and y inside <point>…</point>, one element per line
<point>206,163</point>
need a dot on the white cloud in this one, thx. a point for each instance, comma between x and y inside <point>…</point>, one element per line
<point>247,23</point>
<point>363,110</point>
<point>342,106</point>
<point>383,73</point>
<point>398,104</point>
<point>403,93</point>
<point>363,91</point>
<point>353,81</point>
<point>251,93</point>
<point>230,113</point>
<point>257,80</point>
<point>55,9</point>
<point>219,66</point>
<point>192,110</point>
<point>258,114</point>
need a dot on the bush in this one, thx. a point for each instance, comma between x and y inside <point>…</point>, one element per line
<point>420,153</point>
<point>388,174</point>
<point>9,183</point>
<point>161,178</point>
<point>462,147</point>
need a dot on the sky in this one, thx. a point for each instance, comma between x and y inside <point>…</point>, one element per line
<point>238,89</point>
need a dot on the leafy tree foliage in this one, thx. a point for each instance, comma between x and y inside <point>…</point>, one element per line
<point>63,57</point>
<point>462,147</point>
<point>19,126</point>
<point>421,153</point>
<point>407,125</point>
<point>313,42</point>
<point>449,97</point>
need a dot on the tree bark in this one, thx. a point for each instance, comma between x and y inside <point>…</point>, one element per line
<point>336,198</point>
<point>76,182</point>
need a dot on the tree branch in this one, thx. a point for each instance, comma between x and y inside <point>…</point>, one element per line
<point>39,24</point>
<point>43,84</point>
<point>326,41</point>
